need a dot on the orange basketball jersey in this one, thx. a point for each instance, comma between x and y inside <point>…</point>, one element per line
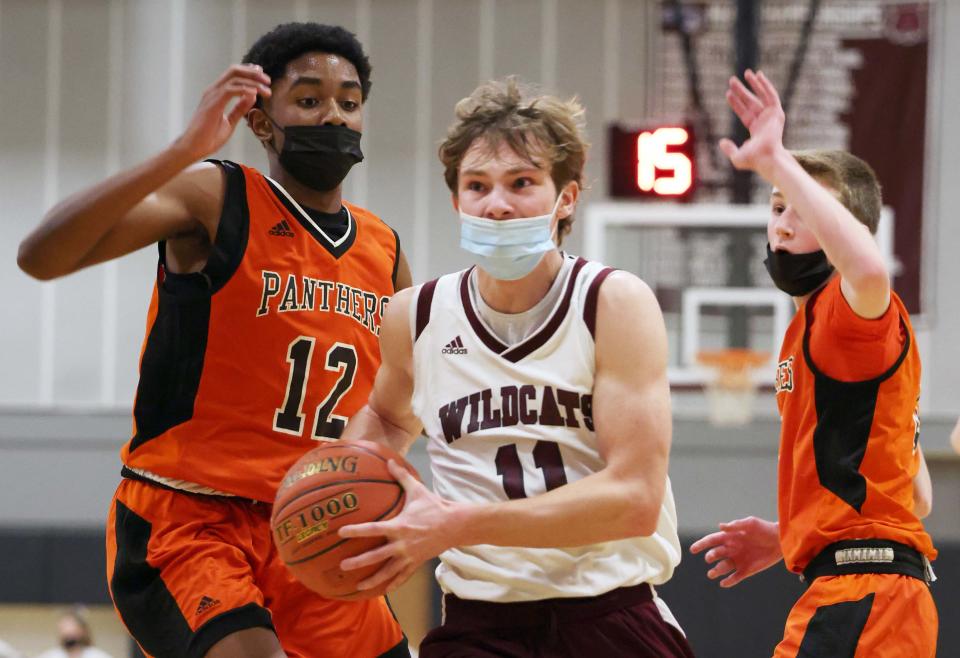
<point>848,390</point>
<point>272,346</point>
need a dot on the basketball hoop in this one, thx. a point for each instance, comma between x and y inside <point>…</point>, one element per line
<point>731,391</point>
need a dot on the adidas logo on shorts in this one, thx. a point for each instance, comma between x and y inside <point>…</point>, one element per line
<point>455,346</point>
<point>282,229</point>
<point>205,604</point>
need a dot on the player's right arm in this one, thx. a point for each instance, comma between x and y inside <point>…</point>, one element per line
<point>847,243</point>
<point>741,549</point>
<point>388,417</point>
<point>162,198</point>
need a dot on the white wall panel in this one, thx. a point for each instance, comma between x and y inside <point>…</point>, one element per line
<point>23,72</point>
<point>517,38</point>
<point>389,140</point>
<point>81,162</point>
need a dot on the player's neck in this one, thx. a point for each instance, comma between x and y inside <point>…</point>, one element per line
<point>522,294</point>
<point>329,201</point>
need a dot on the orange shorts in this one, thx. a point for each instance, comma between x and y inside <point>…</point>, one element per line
<point>862,616</point>
<point>186,570</point>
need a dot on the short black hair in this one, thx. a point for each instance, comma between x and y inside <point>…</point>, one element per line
<point>286,42</point>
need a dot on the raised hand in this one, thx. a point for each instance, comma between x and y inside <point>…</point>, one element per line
<point>744,547</point>
<point>212,123</point>
<point>413,537</point>
<point>758,108</point>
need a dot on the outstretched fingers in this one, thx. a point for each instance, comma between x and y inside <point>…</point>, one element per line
<point>386,574</point>
<point>710,541</point>
<point>751,103</point>
<point>375,556</point>
<point>722,568</point>
<point>763,88</point>
<point>372,529</point>
<point>402,475</point>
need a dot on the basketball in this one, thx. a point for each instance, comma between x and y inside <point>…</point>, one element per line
<point>332,486</point>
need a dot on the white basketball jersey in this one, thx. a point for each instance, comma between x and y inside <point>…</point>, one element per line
<point>512,421</point>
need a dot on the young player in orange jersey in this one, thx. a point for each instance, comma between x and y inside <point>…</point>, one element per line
<point>853,484</point>
<point>262,337</point>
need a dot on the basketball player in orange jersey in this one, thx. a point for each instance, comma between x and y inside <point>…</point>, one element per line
<point>540,381</point>
<point>853,484</point>
<point>262,337</point>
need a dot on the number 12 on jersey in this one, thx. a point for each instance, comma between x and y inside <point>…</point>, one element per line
<point>341,358</point>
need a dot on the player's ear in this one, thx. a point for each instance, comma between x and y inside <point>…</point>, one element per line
<point>568,199</point>
<point>455,201</point>
<point>260,124</point>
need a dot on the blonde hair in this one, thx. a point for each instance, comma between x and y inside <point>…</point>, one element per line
<point>532,124</point>
<point>851,177</point>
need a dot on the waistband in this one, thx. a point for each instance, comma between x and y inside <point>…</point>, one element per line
<point>547,612</point>
<point>880,556</point>
<point>162,483</point>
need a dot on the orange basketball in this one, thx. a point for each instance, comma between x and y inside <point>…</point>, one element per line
<point>334,485</point>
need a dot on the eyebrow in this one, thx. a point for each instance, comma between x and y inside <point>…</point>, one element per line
<point>308,80</point>
<point>510,172</point>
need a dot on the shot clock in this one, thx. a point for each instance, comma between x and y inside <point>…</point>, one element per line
<point>655,162</point>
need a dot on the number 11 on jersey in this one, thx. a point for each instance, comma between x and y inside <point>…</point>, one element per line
<point>546,457</point>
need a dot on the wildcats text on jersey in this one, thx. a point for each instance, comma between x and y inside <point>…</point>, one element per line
<point>523,405</point>
<point>304,293</point>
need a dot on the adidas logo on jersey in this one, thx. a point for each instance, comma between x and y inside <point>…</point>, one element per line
<point>282,229</point>
<point>205,604</point>
<point>455,346</point>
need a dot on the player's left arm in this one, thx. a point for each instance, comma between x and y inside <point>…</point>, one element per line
<point>387,417</point>
<point>922,488</point>
<point>632,420</point>
<point>404,277</point>
<point>848,244</point>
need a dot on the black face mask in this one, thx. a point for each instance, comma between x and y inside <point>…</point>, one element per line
<point>798,274</point>
<point>319,156</point>
<point>72,643</point>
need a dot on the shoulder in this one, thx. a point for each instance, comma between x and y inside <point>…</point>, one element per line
<point>629,323</point>
<point>832,312</point>
<point>624,288</point>
<point>403,299</point>
<point>365,216</point>
<point>202,189</point>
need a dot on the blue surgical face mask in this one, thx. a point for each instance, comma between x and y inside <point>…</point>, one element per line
<point>507,249</point>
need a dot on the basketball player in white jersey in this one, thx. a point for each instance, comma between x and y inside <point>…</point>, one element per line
<point>539,379</point>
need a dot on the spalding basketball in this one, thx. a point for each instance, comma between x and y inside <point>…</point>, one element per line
<point>334,485</point>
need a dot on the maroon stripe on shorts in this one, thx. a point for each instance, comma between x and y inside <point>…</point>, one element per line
<point>593,295</point>
<point>424,302</point>
<point>624,623</point>
<point>483,614</point>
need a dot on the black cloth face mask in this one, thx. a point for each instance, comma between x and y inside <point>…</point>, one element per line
<point>319,156</point>
<point>797,274</point>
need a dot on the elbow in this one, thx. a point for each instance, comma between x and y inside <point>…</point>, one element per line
<point>646,524</point>
<point>642,515</point>
<point>29,260</point>
<point>872,279</point>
